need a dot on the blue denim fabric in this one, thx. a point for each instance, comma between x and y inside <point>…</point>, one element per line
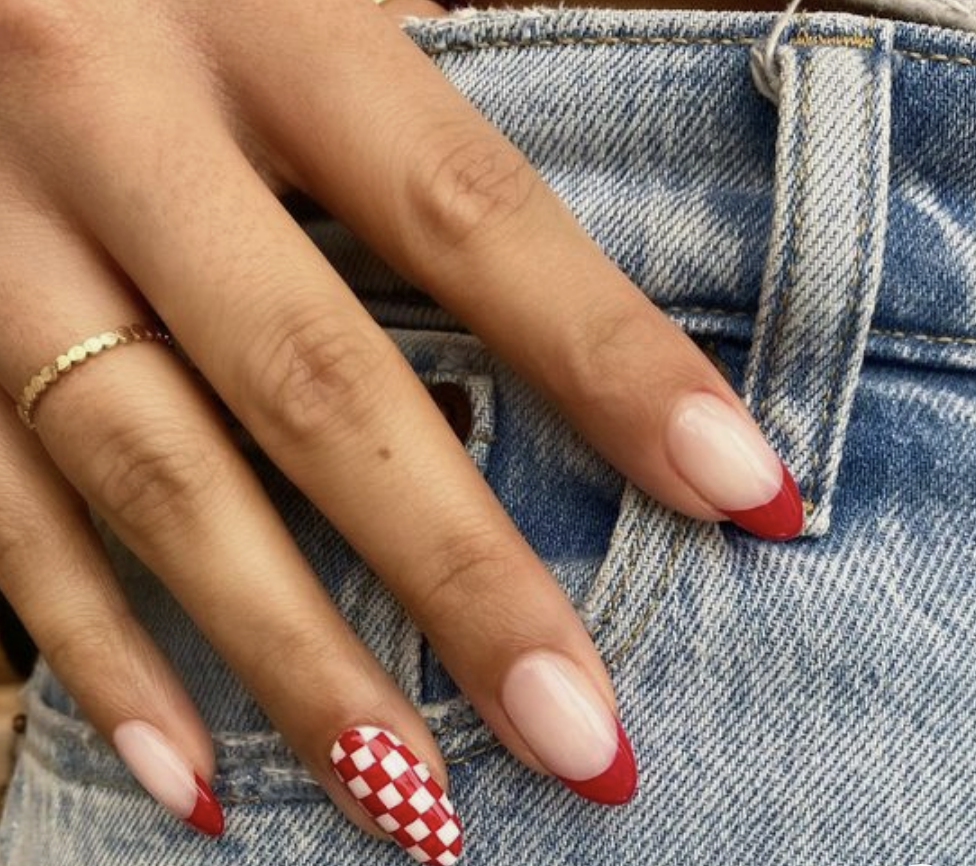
<point>803,703</point>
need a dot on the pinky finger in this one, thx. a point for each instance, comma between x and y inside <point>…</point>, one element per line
<point>55,574</point>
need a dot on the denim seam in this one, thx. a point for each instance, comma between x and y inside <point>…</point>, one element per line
<point>259,747</point>
<point>594,41</point>
<point>657,591</point>
<point>809,40</point>
<point>878,332</point>
<point>635,546</point>
<point>862,43</point>
<point>832,405</point>
<point>97,781</point>
<point>633,549</point>
<point>613,603</point>
<point>467,757</point>
<point>959,59</point>
<point>788,278</point>
<point>45,763</point>
<point>929,338</point>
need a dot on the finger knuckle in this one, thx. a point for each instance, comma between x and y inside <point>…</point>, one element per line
<point>316,377</point>
<point>88,639</point>
<point>44,30</point>
<point>596,358</point>
<point>468,566</point>
<point>469,191</point>
<point>156,478</point>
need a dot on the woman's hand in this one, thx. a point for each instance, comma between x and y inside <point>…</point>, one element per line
<point>142,145</point>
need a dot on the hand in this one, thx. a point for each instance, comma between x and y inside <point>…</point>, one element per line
<point>142,146</point>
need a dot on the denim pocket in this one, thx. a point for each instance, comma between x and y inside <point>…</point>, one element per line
<point>563,497</point>
<point>611,548</point>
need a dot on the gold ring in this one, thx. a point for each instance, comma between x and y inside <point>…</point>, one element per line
<point>76,355</point>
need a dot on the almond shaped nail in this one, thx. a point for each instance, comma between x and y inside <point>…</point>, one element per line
<point>569,727</point>
<point>617,784</point>
<point>725,458</point>
<point>168,776</point>
<point>396,789</point>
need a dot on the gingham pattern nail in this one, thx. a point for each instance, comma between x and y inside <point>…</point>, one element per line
<point>398,792</point>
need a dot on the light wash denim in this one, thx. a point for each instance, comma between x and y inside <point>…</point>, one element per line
<point>812,702</point>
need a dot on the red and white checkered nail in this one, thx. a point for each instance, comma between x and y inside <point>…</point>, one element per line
<point>397,791</point>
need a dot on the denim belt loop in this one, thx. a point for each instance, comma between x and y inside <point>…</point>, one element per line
<point>826,253</point>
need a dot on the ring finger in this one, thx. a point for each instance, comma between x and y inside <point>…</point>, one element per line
<point>141,442</point>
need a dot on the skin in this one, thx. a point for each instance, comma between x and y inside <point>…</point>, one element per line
<point>143,145</point>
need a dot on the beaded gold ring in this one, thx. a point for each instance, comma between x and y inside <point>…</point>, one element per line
<point>44,378</point>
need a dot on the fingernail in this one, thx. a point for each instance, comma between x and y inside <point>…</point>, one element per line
<point>168,776</point>
<point>397,791</point>
<point>569,727</point>
<point>726,459</point>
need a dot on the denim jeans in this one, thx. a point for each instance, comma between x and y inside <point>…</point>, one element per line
<point>812,702</point>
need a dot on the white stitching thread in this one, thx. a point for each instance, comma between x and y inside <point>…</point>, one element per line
<point>762,56</point>
<point>742,41</point>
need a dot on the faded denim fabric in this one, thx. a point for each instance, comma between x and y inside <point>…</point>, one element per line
<point>804,703</point>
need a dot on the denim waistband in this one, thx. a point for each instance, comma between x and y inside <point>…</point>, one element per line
<point>840,222</point>
<point>648,124</point>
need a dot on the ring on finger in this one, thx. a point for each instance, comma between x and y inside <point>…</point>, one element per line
<point>44,378</point>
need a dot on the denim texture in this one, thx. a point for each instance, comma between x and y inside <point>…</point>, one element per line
<point>804,703</point>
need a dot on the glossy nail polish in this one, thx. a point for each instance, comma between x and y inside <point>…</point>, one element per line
<point>569,727</point>
<point>168,776</point>
<point>725,458</point>
<point>398,792</point>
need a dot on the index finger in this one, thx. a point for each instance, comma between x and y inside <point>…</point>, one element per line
<point>440,193</point>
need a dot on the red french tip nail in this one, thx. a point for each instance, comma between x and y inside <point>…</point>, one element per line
<point>779,519</point>
<point>207,816</point>
<point>617,784</point>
